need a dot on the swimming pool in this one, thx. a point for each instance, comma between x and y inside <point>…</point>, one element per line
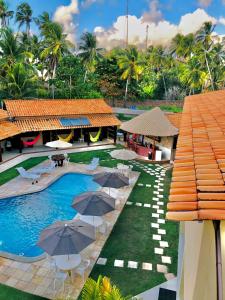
<point>22,218</point>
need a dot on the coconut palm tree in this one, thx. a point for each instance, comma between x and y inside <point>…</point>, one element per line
<point>182,46</point>
<point>204,40</point>
<point>24,16</point>
<point>131,64</point>
<point>55,46</point>
<point>89,52</point>
<point>20,81</point>
<point>192,75</point>
<point>10,49</point>
<point>159,60</point>
<point>5,14</point>
<point>43,20</point>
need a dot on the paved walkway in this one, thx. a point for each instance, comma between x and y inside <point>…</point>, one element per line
<point>24,156</point>
<point>38,277</point>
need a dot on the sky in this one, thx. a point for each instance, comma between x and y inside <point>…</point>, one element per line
<point>107,18</point>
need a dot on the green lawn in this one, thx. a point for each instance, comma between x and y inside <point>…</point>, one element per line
<point>12,172</point>
<point>8,293</point>
<point>131,238</point>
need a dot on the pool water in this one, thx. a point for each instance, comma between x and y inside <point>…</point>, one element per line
<point>22,218</point>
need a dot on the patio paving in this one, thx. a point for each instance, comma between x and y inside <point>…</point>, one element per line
<point>38,277</point>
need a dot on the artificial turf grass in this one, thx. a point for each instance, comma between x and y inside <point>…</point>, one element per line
<point>9,293</point>
<point>131,239</point>
<point>27,164</point>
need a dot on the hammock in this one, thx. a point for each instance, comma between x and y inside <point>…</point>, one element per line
<point>67,139</point>
<point>96,138</point>
<point>31,143</point>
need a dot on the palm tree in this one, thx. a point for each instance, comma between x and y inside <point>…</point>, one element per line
<point>218,64</point>
<point>24,16</point>
<point>192,76</point>
<point>131,63</point>
<point>55,46</point>
<point>20,82</point>
<point>43,20</point>
<point>204,39</point>
<point>182,46</point>
<point>10,49</point>
<point>159,61</point>
<point>5,14</point>
<point>89,52</point>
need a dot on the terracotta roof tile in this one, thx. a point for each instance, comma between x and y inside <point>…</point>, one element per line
<point>198,189</point>
<point>8,129</point>
<point>3,114</point>
<point>97,120</point>
<point>174,118</point>
<point>40,108</point>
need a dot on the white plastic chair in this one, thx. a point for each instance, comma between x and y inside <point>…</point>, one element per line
<point>61,277</point>
<point>80,270</point>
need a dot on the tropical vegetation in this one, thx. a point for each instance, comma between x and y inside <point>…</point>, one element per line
<point>47,65</point>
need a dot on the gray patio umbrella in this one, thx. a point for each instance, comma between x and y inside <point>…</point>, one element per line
<point>66,237</point>
<point>94,203</point>
<point>111,180</point>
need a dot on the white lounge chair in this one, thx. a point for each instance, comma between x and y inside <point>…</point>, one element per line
<point>84,265</point>
<point>45,169</point>
<point>28,175</point>
<point>93,165</point>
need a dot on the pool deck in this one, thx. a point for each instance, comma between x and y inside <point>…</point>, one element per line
<point>38,277</point>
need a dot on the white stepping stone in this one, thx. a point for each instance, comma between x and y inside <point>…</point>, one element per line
<point>166,259</point>
<point>161,231</point>
<point>156,237</point>
<point>158,181</point>
<point>155,206</point>
<point>148,185</point>
<point>164,244</point>
<point>138,204</point>
<point>169,276</point>
<point>147,205</point>
<point>160,190</point>
<point>161,184</point>
<point>160,203</point>
<point>118,263</point>
<point>156,193</point>
<point>158,251</point>
<point>140,184</point>
<point>154,225</point>
<point>162,269</point>
<point>160,211</point>
<point>132,264</point>
<point>102,261</point>
<point>147,266</point>
<point>155,215</point>
<point>160,196</point>
<point>129,203</point>
<point>155,198</point>
<point>161,221</point>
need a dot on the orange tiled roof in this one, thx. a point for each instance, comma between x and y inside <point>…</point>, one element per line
<point>175,119</point>
<point>8,129</point>
<point>3,114</point>
<point>34,124</point>
<point>198,188</point>
<point>40,108</point>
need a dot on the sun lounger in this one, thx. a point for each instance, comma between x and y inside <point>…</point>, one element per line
<point>44,170</point>
<point>93,165</point>
<point>28,175</point>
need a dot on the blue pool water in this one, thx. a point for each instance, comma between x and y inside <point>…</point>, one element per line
<point>22,218</point>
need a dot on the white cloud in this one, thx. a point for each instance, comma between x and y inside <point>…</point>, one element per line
<point>154,15</point>
<point>222,20</point>
<point>205,3</point>
<point>64,15</point>
<point>159,33</point>
<point>87,3</point>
